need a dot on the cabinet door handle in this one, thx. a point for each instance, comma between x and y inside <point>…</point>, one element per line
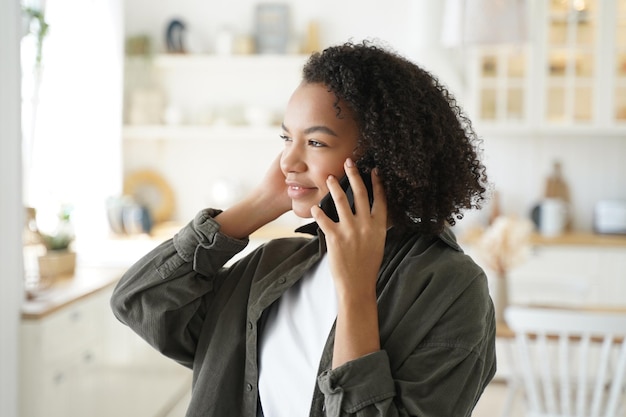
<point>75,316</point>
<point>88,357</point>
<point>58,378</point>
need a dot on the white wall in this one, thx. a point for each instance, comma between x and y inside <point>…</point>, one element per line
<point>11,212</point>
<point>593,167</point>
<point>517,164</point>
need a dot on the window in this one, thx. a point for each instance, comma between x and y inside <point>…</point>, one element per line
<point>72,110</point>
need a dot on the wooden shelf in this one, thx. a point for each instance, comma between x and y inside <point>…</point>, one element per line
<point>262,61</point>
<point>204,132</point>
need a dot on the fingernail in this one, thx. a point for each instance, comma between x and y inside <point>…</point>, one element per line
<point>375,171</point>
<point>349,163</point>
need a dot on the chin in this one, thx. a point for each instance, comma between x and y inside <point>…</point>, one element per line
<point>301,211</point>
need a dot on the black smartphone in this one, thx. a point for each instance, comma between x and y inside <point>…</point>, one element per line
<point>327,204</point>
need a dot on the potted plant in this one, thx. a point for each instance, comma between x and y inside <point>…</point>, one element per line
<point>59,259</point>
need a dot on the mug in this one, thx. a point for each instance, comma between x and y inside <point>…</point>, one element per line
<point>552,217</point>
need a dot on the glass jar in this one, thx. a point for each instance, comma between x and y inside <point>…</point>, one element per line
<point>33,248</point>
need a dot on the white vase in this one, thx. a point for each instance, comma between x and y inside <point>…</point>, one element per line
<point>500,296</point>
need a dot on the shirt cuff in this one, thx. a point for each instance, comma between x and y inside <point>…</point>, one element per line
<point>357,384</point>
<point>202,234</point>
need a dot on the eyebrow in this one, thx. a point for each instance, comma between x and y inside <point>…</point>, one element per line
<point>313,129</point>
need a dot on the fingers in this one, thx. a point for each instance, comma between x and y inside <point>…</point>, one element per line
<point>366,194</point>
<point>378,207</point>
<point>359,189</point>
<point>358,197</point>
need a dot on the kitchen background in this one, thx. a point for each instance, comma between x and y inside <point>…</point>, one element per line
<point>522,141</point>
<point>554,95</point>
<point>201,125</point>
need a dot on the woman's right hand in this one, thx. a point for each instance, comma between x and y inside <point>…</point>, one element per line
<point>266,202</point>
<point>271,192</point>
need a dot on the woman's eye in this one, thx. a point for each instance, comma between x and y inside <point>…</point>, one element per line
<point>311,142</point>
<point>316,144</point>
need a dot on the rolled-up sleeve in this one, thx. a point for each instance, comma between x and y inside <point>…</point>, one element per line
<point>358,384</point>
<point>202,235</point>
<point>163,296</point>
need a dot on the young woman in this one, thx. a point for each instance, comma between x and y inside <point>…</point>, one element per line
<point>378,314</point>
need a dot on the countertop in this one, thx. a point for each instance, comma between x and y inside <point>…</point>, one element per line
<point>572,238</point>
<point>66,290</point>
<point>580,239</point>
<point>88,280</point>
<point>102,273</point>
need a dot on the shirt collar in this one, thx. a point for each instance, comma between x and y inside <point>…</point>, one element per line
<point>310,228</point>
<point>447,236</point>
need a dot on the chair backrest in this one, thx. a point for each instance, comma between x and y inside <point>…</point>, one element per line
<point>571,362</point>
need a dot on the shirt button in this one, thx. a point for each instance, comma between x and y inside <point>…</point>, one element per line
<point>250,325</point>
<point>248,387</point>
<point>281,280</point>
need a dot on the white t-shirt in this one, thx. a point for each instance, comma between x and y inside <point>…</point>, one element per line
<point>292,343</point>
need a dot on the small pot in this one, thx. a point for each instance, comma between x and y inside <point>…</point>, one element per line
<point>57,263</point>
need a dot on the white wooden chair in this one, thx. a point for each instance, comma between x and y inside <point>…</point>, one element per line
<point>570,362</point>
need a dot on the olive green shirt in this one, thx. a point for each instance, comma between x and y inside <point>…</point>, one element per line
<point>437,326</point>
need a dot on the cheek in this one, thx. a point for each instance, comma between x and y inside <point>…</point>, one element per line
<point>337,169</point>
<point>323,188</point>
<point>320,178</point>
<point>320,168</point>
<point>322,171</point>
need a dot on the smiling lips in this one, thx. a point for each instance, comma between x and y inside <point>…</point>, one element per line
<point>296,191</point>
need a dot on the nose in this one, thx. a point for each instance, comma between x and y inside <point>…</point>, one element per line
<point>292,159</point>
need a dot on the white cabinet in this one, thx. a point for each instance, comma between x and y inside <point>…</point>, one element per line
<point>572,71</point>
<point>612,277</point>
<point>571,275</point>
<point>501,85</point>
<point>57,352</point>
<point>570,270</point>
<point>564,275</point>
<point>619,65</point>
<point>571,60</point>
<point>560,274</point>
<point>79,361</point>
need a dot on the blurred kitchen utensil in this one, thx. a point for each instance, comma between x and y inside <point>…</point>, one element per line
<point>149,189</point>
<point>553,215</point>
<point>610,217</point>
<point>126,216</point>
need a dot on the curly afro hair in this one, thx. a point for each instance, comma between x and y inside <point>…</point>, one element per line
<point>412,130</point>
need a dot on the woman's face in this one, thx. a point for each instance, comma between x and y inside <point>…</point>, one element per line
<point>317,143</point>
